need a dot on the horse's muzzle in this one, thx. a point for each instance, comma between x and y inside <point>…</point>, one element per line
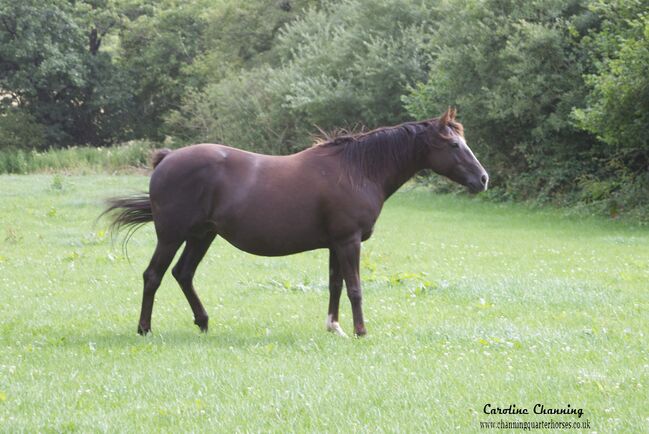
<point>479,184</point>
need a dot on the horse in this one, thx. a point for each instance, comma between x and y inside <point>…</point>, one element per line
<point>327,196</point>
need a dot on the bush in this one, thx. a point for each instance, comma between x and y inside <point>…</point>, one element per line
<point>515,74</point>
<point>343,65</point>
<point>618,104</point>
<point>19,129</point>
<point>54,80</point>
<point>77,159</point>
<point>242,110</point>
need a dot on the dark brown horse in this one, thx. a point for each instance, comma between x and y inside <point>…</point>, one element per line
<point>328,196</point>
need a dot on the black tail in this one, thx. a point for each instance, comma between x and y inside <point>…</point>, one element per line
<point>128,212</point>
<point>131,212</point>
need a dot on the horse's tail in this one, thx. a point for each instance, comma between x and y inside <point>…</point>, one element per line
<point>158,156</point>
<point>131,212</point>
<point>128,212</point>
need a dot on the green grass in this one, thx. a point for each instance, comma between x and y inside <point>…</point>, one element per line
<point>127,157</point>
<point>467,303</point>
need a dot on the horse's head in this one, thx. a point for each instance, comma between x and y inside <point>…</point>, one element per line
<point>449,155</point>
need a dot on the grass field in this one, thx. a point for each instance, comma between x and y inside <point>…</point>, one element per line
<point>467,303</point>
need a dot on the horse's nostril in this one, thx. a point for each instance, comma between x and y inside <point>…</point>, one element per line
<point>484,179</point>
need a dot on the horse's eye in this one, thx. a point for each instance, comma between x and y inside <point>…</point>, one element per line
<point>455,145</point>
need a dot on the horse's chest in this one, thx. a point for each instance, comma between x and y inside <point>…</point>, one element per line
<point>367,233</point>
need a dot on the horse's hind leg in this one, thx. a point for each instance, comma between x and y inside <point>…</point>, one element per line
<point>162,257</point>
<point>184,270</point>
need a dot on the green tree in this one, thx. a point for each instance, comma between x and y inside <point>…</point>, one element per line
<point>515,73</point>
<point>618,103</point>
<point>53,77</point>
<point>349,62</point>
<point>157,49</point>
<point>242,35</point>
<point>342,64</point>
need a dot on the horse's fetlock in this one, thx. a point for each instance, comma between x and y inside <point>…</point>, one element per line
<point>202,322</point>
<point>143,329</point>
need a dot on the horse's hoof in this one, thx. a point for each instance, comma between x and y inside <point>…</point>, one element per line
<point>142,331</point>
<point>337,330</point>
<point>334,327</point>
<point>360,332</point>
<point>202,323</point>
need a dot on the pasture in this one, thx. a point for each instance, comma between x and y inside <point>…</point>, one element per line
<point>466,303</point>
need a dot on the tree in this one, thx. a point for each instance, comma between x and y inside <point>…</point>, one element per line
<point>157,49</point>
<point>618,102</point>
<point>515,73</point>
<point>343,64</point>
<point>54,78</point>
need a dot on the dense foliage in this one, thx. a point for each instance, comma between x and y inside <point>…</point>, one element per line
<point>554,94</point>
<point>57,86</point>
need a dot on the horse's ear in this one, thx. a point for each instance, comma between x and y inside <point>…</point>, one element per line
<point>447,117</point>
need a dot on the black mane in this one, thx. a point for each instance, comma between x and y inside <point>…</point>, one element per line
<point>378,150</point>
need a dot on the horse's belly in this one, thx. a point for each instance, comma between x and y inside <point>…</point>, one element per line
<point>266,243</point>
<point>267,234</point>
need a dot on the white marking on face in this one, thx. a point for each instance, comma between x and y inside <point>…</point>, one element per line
<point>334,327</point>
<point>465,147</point>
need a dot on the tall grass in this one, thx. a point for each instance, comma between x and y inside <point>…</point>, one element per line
<point>77,159</point>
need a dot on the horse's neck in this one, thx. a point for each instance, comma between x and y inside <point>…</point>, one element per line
<point>394,180</point>
<point>395,177</point>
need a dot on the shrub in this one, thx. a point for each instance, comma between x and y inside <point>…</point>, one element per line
<point>77,159</point>
<point>618,103</point>
<point>19,129</point>
<point>343,65</point>
<point>515,74</point>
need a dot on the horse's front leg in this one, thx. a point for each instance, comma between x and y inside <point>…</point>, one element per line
<point>348,254</point>
<point>335,288</point>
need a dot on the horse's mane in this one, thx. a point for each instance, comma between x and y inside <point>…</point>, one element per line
<point>373,152</point>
